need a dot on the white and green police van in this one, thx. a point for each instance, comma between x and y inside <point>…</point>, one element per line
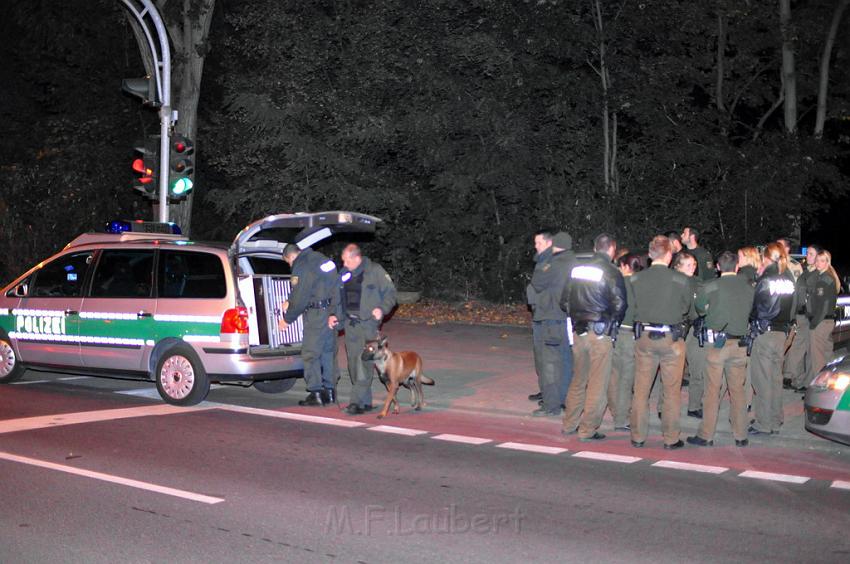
<point>135,302</point>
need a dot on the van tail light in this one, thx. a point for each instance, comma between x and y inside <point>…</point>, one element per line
<point>235,320</point>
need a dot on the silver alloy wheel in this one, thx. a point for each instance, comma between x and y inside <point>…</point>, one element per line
<point>177,376</point>
<point>8,360</point>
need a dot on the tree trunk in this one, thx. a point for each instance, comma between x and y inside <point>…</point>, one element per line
<point>788,73</point>
<point>721,49</point>
<point>823,83</point>
<point>189,36</point>
<point>608,152</point>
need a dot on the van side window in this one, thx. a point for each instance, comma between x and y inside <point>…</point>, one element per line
<point>63,277</point>
<point>190,274</point>
<point>123,274</point>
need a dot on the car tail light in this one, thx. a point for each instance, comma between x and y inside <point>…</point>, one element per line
<point>235,320</point>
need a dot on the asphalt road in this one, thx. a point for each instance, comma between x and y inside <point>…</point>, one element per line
<point>91,475</point>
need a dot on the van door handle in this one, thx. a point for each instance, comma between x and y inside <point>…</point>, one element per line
<point>71,312</point>
<point>142,314</point>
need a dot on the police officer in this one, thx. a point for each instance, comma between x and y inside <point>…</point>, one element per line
<point>663,298</point>
<point>772,319</point>
<point>595,297</point>
<point>548,319</point>
<point>797,361</point>
<point>367,295</point>
<point>705,265</point>
<point>315,295</point>
<point>725,302</point>
<point>623,359</point>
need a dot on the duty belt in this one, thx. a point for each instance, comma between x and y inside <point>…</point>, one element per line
<point>656,328</point>
<point>321,304</point>
<point>784,327</point>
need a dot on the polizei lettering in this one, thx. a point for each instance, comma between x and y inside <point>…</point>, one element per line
<point>39,324</point>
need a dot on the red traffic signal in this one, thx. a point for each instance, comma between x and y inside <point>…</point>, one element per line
<point>145,166</point>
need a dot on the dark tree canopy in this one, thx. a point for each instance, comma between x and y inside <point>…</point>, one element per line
<point>466,125</point>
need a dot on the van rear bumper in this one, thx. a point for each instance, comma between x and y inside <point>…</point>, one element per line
<point>236,365</point>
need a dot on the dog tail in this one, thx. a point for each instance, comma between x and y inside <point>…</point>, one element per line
<point>425,380</point>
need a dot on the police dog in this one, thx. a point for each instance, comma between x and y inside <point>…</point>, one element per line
<point>397,369</point>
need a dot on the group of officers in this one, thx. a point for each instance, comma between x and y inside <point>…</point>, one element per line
<point>356,298</point>
<point>603,332</point>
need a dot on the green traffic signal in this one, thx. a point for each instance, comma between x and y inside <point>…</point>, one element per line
<point>181,167</point>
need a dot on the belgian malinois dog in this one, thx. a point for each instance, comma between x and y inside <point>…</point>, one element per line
<point>397,369</point>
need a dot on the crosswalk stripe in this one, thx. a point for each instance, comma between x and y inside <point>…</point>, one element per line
<point>605,456</point>
<point>692,467</point>
<point>462,439</point>
<point>774,477</point>
<point>532,448</point>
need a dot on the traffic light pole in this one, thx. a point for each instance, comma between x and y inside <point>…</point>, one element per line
<point>162,74</point>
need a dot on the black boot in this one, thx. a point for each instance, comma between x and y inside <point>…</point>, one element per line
<point>328,396</point>
<point>312,399</point>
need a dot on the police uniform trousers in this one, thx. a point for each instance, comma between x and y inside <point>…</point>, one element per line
<point>588,393</point>
<point>797,359</point>
<point>668,358</point>
<point>766,373</point>
<point>318,351</point>
<point>730,361</point>
<point>360,372</point>
<point>566,368</point>
<point>622,377</point>
<point>695,355</point>
<point>820,348</point>
<point>549,338</point>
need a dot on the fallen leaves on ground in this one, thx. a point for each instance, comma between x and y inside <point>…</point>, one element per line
<point>432,312</point>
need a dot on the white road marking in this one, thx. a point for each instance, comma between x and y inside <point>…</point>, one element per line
<point>688,466</point>
<point>841,485</point>
<point>605,456</point>
<point>153,393</point>
<point>532,448</point>
<point>49,381</point>
<point>397,430</point>
<point>774,477</point>
<point>461,439</point>
<point>288,415</point>
<point>110,478</point>
<point>60,419</point>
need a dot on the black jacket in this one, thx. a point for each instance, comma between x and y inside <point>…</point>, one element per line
<point>595,291</point>
<point>775,301</point>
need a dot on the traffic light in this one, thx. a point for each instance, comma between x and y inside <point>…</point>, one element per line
<point>145,166</point>
<point>182,167</point>
<point>144,88</point>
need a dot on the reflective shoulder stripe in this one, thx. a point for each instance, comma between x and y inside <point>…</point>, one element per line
<point>589,273</point>
<point>346,277</point>
<point>327,266</point>
<point>782,287</point>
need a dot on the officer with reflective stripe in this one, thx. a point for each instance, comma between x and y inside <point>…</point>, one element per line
<point>367,295</point>
<point>314,294</point>
<point>595,299</point>
<point>725,302</point>
<point>772,320</point>
<point>663,298</point>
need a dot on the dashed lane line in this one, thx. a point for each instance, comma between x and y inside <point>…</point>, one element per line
<point>288,415</point>
<point>461,439</point>
<point>607,457</point>
<point>111,478</point>
<point>789,478</point>
<point>692,467</point>
<point>397,430</point>
<point>532,448</point>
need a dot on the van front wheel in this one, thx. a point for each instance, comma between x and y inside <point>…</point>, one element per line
<point>180,377</point>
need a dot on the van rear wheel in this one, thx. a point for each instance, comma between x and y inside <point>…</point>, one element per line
<point>10,367</point>
<point>275,386</point>
<point>180,377</point>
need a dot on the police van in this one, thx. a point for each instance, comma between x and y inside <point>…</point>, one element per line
<point>142,301</point>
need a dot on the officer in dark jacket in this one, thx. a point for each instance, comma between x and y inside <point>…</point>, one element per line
<point>315,295</point>
<point>663,298</point>
<point>797,359</point>
<point>772,318</point>
<point>705,265</point>
<point>548,319</point>
<point>595,298</point>
<point>367,295</point>
<point>725,302</point>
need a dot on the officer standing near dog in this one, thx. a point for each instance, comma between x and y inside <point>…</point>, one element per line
<point>725,302</point>
<point>548,329</point>
<point>663,298</point>
<point>595,298</point>
<point>315,295</point>
<point>367,295</point>
<point>772,317</point>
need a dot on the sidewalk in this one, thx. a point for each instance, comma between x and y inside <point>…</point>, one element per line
<point>484,375</point>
